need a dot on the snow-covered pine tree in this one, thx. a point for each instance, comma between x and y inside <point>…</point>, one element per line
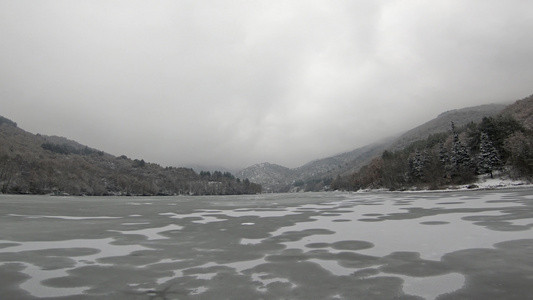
<point>460,155</point>
<point>417,165</point>
<point>460,159</point>
<point>488,157</point>
<point>444,158</point>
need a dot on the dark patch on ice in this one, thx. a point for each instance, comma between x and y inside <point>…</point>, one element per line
<point>330,215</point>
<point>310,281</point>
<point>49,259</point>
<point>6,245</point>
<point>501,201</point>
<point>317,245</point>
<point>64,282</point>
<point>370,220</point>
<point>504,272</point>
<point>12,277</point>
<point>504,226</point>
<point>402,203</point>
<point>336,211</point>
<point>504,222</point>
<point>288,255</point>
<point>72,252</point>
<point>342,220</point>
<point>347,259</point>
<point>450,203</point>
<point>410,264</point>
<point>434,223</point>
<point>352,245</point>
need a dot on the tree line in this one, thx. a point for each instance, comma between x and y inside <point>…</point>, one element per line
<point>68,149</point>
<point>96,174</point>
<point>75,174</point>
<point>456,157</point>
<point>31,164</point>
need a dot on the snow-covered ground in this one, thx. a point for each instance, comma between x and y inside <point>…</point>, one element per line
<point>496,183</point>
<point>483,182</point>
<point>499,181</point>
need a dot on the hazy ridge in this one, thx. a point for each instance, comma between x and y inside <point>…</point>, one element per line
<point>39,164</point>
<point>319,173</point>
<point>34,163</point>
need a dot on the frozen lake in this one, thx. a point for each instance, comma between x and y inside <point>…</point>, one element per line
<point>447,245</point>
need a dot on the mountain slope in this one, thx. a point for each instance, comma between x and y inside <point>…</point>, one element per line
<point>271,177</point>
<point>522,110</point>
<point>278,178</point>
<point>323,170</point>
<point>38,164</point>
<point>339,164</point>
<point>442,123</point>
<point>500,143</point>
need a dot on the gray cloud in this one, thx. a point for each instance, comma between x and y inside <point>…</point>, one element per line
<point>241,82</point>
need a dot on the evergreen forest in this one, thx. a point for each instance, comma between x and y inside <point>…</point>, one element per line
<point>38,164</point>
<point>499,144</point>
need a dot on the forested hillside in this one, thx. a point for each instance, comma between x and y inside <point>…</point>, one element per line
<point>38,164</point>
<point>320,174</point>
<point>460,117</point>
<point>313,176</point>
<point>271,177</point>
<point>502,143</point>
<point>452,149</point>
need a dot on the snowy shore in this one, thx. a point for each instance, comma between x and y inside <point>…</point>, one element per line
<point>484,182</point>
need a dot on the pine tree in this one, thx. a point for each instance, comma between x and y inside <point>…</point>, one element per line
<point>460,156</point>
<point>417,165</point>
<point>444,158</point>
<point>460,159</point>
<point>488,157</point>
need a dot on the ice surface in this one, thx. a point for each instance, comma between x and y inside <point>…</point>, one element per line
<point>151,233</point>
<point>62,217</point>
<point>37,275</point>
<point>192,242</point>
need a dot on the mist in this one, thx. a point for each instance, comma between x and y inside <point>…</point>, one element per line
<point>235,83</point>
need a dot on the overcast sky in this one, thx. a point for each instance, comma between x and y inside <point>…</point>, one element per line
<point>235,83</point>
